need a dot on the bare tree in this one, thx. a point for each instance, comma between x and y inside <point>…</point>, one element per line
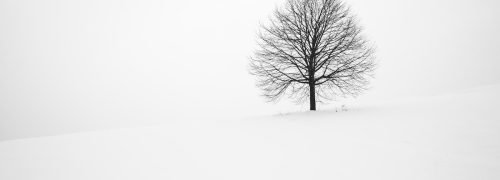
<point>312,48</point>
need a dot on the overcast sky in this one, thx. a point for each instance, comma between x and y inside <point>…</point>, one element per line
<point>68,65</point>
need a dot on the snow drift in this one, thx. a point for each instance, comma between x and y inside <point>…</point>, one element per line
<point>454,136</point>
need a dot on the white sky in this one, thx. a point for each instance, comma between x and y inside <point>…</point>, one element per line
<point>68,65</point>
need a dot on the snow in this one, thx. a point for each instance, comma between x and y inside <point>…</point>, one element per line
<point>128,89</point>
<point>444,137</point>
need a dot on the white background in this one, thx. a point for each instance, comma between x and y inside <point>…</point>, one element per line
<point>68,65</point>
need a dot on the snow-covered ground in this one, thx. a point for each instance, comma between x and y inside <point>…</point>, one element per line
<point>446,137</point>
<point>149,89</point>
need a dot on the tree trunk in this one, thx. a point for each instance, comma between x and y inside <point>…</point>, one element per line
<point>312,97</point>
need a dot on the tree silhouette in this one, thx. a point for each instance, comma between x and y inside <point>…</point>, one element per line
<point>312,48</point>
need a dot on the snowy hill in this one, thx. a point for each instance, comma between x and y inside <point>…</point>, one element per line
<point>454,136</point>
<point>148,89</point>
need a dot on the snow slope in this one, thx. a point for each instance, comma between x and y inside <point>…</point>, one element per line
<point>454,136</point>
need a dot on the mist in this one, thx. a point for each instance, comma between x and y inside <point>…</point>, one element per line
<point>69,66</point>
